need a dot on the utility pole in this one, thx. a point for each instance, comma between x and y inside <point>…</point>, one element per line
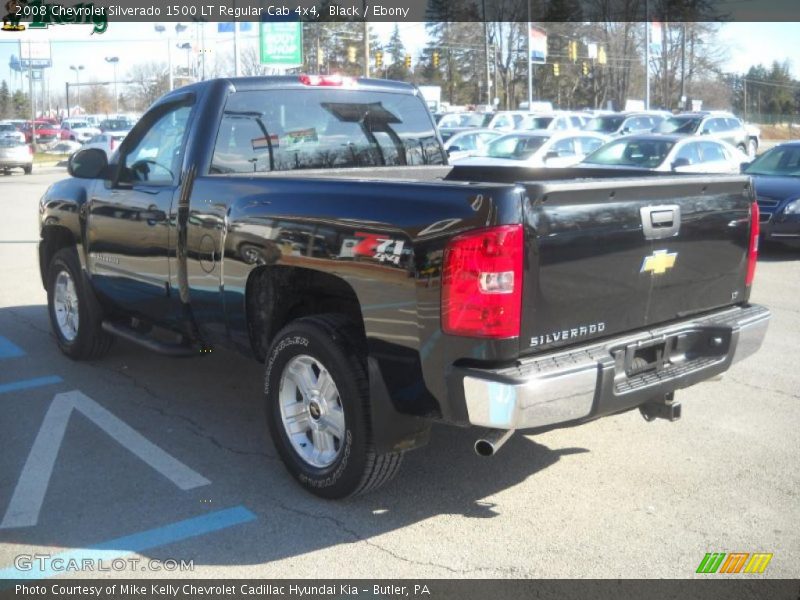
<point>486,54</point>
<point>366,40</point>
<point>744,81</point>
<point>30,95</point>
<point>528,58</point>
<point>647,54</point>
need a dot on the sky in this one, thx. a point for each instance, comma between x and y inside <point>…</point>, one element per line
<point>75,45</point>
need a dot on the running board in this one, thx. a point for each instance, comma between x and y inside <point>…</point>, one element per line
<point>144,340</point>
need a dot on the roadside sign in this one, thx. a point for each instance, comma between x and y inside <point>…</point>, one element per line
<point>538,42</point>
<point>281,44</point>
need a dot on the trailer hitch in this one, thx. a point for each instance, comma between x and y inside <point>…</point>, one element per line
<point>664,408</point>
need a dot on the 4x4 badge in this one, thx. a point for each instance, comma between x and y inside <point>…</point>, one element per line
<point>658,262</point>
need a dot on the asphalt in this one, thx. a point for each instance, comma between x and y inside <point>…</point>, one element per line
<point>615,498</point>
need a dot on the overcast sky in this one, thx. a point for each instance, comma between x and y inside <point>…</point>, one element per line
<point>747,43</point>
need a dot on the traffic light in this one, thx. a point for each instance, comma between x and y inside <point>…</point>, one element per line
<point>601,56</point>
<point>408,61</point>
<point>378,59</point>
<point>351,54</point>
<point>556,70</point>
<point>573,51</point>
<point>435,59</point>
<point>585,68</point>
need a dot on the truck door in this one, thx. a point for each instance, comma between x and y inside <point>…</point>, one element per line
<point>129,233</point>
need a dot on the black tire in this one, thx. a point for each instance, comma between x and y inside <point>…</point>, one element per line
<point>329,339</point>
<point>90,340</point>
<point>28,170</point>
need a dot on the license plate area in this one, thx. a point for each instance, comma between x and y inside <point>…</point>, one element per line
<point>683,348</point>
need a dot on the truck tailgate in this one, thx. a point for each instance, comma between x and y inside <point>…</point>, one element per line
<point>611,256</point>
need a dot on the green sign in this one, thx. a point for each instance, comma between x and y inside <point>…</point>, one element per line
<point>281,44</point>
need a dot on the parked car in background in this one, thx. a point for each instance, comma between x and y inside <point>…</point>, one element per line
<point>508,120</point>
<point>44,131</point>
<point>8,131</point>
<point>15,155</point>
<point>77,130</point>
<point>657,152</point>
<point>452,123</point>
<point>469,142</point>
<point>623,123</point>
<point>776,178</point>
<point>107,142</point>
<point>116,125</point>
<point>64,147</point>
<point>719,126</point>
<point>537,149</point>
<point>562,121</point>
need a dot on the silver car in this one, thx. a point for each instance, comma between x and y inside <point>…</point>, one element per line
<point>15,155</point>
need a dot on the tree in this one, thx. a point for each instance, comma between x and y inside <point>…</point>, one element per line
<point>5,100</point>
<point>395,56</point>
<point>20,105</point>
<point>150,81</point>
<point>96,99</point>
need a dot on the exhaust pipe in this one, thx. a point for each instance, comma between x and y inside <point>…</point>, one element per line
<point>491,441</point>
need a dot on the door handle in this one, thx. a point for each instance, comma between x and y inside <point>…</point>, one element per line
<point>659,222</point>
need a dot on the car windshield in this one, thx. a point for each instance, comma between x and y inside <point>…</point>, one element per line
<point>115,125</point>
<point>514,147</point>
<point>679,125</point>
<point>781,161</point>
<point>461,120</point>
<point>607,124</point>
<point>40,126</point>
<point>538,122</point>
<point>646,154</point>
<point>77,124</point>
<point>7,127</point>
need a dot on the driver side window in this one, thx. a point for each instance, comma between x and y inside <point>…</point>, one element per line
<point>156,158</point>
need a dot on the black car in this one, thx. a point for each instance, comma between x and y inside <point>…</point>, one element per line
<point>776,176</point>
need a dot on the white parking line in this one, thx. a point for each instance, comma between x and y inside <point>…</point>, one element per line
<point>26,502</point>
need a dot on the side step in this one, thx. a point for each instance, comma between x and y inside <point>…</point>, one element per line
<point>146,341</point>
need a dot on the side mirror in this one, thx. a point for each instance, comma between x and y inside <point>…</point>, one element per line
<point>89,163</point>
<point>551,154</point>
<point>680,162</point>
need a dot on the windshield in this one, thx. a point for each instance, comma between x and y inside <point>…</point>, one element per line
<point>604,124</point>
<point>514,147</point>
<point>77,124</point>
<point>781,161</point>
<point>461,120</point>
<point>538,122</point>
<point>646,154</point>
<point>679,125</point>
<point>115,125</point>
<point>283,130</point>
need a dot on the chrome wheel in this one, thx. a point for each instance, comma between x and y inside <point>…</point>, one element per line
<point>65,302</point>
<point>311,411</point>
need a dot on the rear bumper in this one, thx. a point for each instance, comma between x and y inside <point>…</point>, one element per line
<point>591,381</point>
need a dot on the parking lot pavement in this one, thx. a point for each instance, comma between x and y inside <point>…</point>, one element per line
<point>140,457</point>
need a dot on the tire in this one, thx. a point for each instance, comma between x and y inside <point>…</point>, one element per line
<point>75,314</point>
<point>322,351</point>
<point>28,170</point>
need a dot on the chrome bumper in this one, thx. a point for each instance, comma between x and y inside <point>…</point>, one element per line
<point>590,381</point>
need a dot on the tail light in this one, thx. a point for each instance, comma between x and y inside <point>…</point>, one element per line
<point>327,80</point>
<point>30,150</point>
<point>752,252</point>
<point>482,283</point>
<point>113,142</point>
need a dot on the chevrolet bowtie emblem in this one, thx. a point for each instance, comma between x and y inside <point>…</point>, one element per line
<point>659,262</point>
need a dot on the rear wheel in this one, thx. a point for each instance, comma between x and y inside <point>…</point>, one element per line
<point>28,170</point>
<point>317,396</point>
<point>75,314</point>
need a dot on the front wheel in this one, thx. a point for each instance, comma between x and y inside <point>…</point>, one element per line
<point>75,314</point>
<point>317,396</point>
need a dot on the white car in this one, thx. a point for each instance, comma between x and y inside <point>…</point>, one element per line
<point>560,121</point>
<point>537,149</point>
<point>8,131</point>
<point>78,130</point>
<point>108,141</point>
<point>469,142</point>
<point>665,153</point>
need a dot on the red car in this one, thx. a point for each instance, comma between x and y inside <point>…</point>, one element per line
<point>46,132</point>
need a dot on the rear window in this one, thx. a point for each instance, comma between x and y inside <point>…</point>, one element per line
<point>648,153</point>
<point>284,130</point>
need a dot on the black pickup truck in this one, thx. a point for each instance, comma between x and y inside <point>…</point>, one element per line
<point>313,224</point>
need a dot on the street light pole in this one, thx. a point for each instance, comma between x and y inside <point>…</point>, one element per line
<point>77,69</point>
<point>114,61</point>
